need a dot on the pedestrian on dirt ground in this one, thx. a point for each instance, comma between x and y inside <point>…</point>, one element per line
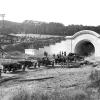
<point>1,68</point>
<point>23,67</point>
<point>35,64</point>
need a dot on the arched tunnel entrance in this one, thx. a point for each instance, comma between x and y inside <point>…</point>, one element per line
<point>85,48</point>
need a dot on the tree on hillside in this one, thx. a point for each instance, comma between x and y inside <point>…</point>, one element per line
<point>37,27</point>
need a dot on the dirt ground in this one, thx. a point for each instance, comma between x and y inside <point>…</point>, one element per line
<point>45,79</point>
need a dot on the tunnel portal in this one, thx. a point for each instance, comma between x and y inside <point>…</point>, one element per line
<point>85,48</point>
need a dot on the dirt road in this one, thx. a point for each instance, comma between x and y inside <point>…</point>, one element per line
<point>45,79</point>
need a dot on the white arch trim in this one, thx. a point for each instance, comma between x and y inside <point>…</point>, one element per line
<point>83,32</point>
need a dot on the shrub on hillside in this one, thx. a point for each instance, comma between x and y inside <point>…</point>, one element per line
<point>94,76</point>
<point>94,87</point>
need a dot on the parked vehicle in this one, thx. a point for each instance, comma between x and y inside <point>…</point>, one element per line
<point>45,61</point>
<point>11,67</point>
<point>73,57</point>
<point>26,63</point>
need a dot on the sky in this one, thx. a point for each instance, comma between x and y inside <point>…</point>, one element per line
<point>84,12</point>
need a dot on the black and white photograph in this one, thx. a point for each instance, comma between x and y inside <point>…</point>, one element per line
<point>49,49</point>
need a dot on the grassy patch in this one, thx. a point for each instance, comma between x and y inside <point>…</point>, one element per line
<point>56,94</point>
<point>90,92</point>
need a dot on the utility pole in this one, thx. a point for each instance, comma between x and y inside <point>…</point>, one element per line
<point>2,15</point>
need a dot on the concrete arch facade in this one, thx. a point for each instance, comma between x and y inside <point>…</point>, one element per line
<point>86,38</point>
<point>87,35</point>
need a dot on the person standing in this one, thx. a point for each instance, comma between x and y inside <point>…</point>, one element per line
<point>1,68</point>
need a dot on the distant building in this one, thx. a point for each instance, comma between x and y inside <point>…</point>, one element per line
<point>8,38</point>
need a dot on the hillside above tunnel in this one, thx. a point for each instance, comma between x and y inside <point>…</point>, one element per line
<point>38,27</point>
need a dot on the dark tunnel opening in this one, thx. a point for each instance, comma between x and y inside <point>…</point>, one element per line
<point>85,48</point>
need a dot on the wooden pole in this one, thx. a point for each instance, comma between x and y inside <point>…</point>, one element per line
<point>71,45</point>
